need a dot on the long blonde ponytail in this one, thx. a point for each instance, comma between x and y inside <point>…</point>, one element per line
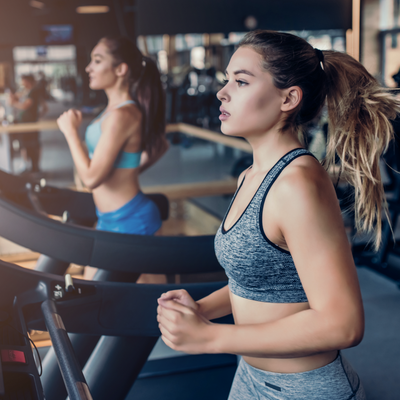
<point>360,131</point>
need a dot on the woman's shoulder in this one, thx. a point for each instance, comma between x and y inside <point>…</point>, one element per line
<point>127,116</point>
<point>304,177</point>
<point>302,191</point>
<point>127,112</point>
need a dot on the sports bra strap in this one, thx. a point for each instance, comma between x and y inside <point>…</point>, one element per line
<point>124,103</point>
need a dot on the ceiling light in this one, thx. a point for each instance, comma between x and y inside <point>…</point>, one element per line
<point>93,9</point>
<point>36,4</point>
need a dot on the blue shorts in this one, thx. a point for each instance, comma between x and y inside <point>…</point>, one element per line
<point>335,381</point>
<point>140,216</point>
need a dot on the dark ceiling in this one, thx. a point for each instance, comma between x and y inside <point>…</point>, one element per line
<point>20,24</point>
<point>197,16</point>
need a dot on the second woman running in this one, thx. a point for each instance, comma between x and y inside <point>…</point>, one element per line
<point>127,137</point>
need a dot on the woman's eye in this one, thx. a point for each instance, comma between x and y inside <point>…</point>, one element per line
<point>239,82</point>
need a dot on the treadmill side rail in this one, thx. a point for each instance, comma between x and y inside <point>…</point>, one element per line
<point>71,371</point>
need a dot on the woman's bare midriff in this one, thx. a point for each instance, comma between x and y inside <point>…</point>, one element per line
<point>121,187</point>
<point>247,311</point>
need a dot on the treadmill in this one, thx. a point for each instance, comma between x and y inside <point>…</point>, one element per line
<point>32,300</point>
<point>24,207</point>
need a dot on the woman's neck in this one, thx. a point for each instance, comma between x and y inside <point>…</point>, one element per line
<point>269,148</point>
<point>116,96</point>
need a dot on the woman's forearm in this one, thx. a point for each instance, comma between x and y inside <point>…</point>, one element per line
<point>79,156</point>
<point>215,305</point>
<point>302,334</point>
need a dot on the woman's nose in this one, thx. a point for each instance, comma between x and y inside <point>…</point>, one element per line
<point>87,69</point>
<point>222,95</point>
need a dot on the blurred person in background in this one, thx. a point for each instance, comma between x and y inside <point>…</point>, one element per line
<point>124,140</point>
<point>42,83</point>
<point>30,106</point>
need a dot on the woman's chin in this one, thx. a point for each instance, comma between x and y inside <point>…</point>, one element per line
<point>224,129</point>
<point>93,86</point>
<point>229,132</point>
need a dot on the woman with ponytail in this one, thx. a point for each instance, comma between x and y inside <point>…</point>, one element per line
<point>127,137</point>
<point>292,283</point>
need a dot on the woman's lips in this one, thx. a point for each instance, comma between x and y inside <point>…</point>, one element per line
<point>224,114</point>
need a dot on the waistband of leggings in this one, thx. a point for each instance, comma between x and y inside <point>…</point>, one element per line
<point>333,366</point>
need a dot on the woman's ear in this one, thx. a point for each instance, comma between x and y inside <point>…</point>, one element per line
<point>122,70</point>
<point>292,98</point>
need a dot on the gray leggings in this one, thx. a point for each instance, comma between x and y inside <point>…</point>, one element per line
<point>335,381</point>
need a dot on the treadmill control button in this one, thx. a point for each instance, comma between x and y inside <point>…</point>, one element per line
<point>13,356</point>
<point>70,290</point>
<point>58,291</point>
<point>58,294</point>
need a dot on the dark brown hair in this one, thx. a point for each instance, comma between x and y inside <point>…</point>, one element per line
<point>145,88</point>
<point>359,112</point>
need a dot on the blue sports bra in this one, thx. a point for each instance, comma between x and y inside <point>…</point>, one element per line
<point>92,137</point>
<point>258,269</point>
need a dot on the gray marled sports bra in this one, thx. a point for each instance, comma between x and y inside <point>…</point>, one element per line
<point>257,268</point>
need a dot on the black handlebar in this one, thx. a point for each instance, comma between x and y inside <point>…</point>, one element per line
<point>71,371</point>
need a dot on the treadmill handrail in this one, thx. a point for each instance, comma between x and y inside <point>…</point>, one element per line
<point>102,308</point>
<point>106,250</point>
<point>71,371</point>
<point>98,308</point>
